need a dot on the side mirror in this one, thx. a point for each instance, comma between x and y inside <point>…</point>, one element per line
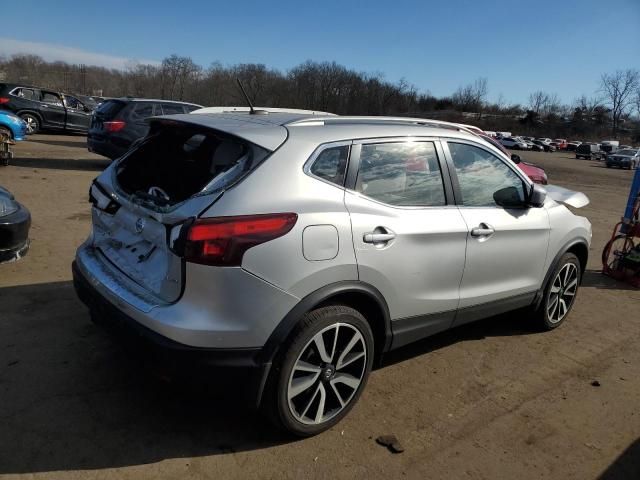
<point>515,158</point>
<point>537,196</point>
<point>509,197</point>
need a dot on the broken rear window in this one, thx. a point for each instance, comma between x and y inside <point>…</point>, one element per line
<point>176,162</point>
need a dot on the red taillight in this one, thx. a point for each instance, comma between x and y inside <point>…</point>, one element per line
<point>222,241</point>
<point>4,100</point>
<point>114,126</point>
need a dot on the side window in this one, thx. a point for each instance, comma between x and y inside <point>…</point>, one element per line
<point>402,174</point>
<point>481,174</point>
<point>331,164</point>
<point>51,98</point>
<point>171,109</point>
<point>142,111</point>
<point>72,102</point>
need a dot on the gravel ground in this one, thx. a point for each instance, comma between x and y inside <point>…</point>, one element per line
<point>489,400</point>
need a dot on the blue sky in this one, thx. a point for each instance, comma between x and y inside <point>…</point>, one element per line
<point>559,46</point>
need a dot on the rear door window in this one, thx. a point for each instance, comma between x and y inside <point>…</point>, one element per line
<point>141,111</point>
<point>172,108</point>
<point>51,98</point>
<point>401,174</point>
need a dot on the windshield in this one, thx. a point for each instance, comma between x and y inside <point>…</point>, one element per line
<point>631,153</point>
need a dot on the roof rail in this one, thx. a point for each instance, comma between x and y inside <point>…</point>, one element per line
<point>232,109</point>
<point>340,120</point>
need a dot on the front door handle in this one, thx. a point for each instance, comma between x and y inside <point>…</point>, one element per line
<point>482,230</point>
<point>378,237</point>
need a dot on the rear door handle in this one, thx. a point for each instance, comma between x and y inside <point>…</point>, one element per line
<point>482,230</point>
<point>378,237</point>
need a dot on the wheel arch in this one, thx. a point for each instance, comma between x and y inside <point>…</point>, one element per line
<point>35,113</point>
<point>355,294</point>
<point>580,248</point>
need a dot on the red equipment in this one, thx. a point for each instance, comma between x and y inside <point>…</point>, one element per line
<point>621,255</point>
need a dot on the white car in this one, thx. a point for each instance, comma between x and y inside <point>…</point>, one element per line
<point>545,140</point>
<point>514,143</point>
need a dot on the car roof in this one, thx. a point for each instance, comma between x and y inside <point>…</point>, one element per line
<point>156,100</point>
<point>271,130</point>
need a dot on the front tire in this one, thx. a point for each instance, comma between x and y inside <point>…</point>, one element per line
<point>321,372</point>
<point>560,293</point>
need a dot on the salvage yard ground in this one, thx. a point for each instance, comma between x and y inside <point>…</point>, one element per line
<point>490,400</point>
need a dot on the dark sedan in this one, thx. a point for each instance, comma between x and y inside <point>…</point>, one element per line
<point>15,221</point>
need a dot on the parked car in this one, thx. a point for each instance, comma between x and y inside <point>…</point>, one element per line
<point>560,143</point>
<point>628,158</point>
<point>547,147</point>
<point>198,249</point>
<point>513,143</point>
<point>15,221</point>
<point>588,151</point>
<point>534,146</point>
<point>118,122</point>
<point>544,140</point>
<point>44,109</point>
<point>534,172</point>
<point>571,146</point>
<point>12,126</point>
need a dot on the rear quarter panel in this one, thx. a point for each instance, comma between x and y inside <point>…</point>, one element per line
<point>280,185</point>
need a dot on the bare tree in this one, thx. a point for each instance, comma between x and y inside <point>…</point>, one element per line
<point>472,97</point>
<point>618,89</point>
<point>538,101</point>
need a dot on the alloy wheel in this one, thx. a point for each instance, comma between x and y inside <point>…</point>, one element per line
<point>563,293</point>
<point>32,124</point>
<point>327,374</point>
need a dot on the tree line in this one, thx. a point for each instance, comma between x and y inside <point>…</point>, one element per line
<point>335,88</point>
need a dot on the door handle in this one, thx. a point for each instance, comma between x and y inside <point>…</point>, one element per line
<point>378,237</point>
<point>482,230</point>
<point>44,105</point>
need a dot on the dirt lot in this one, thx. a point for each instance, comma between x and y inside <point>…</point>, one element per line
<point>490,400</point>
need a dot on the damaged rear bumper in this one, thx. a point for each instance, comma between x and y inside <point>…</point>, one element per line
<point>239,372</point>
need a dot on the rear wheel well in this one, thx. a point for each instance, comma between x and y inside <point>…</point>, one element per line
<point>370,309</point>
<point>30,112</point>
<point>581,251</point>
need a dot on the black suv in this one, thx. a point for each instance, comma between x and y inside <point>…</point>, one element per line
<point>45,109</point>
<point>589,151</point>
<point>118,122</point>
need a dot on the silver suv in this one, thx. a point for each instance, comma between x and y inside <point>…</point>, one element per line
<point>293,250</point>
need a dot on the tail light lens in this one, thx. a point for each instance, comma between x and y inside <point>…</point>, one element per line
<point>222,241</point>
<point>114,126</point>
<point>3,100</point>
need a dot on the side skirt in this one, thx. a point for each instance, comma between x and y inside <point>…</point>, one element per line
<point>411,329</point>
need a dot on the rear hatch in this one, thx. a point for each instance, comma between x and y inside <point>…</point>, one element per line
<point>106,112</point>
<point>142,202</point>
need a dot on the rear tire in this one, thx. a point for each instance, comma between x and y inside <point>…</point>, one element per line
<point>560,293</point>
<point>33,122</point>
<point>321,371</point>
<point>7,132</point>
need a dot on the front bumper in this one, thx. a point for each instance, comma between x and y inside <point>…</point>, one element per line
<point>227,370</point>
<point>14,234</point>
